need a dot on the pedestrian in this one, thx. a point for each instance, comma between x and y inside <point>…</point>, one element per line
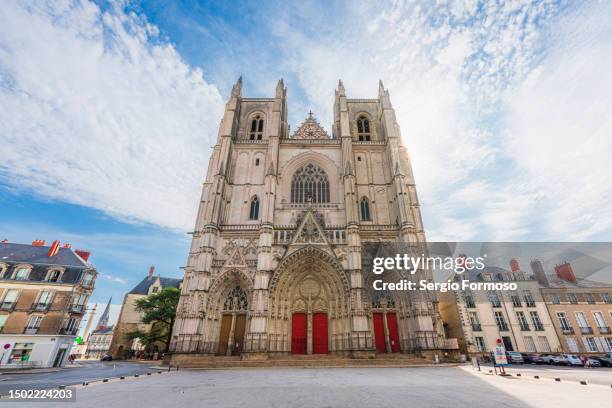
<point>587,362</point>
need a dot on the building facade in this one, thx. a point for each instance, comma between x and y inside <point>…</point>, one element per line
<point>43,296</point>
<point>130,319</point>
<point>519,318</point>
<point>275,261</point>
<point>581,310</point>
<point>99,340</point>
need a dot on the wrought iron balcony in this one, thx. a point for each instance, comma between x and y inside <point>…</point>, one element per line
<point>30,330</point>
<point>503,327</point>
<point>476,327</point>
<point>538,327</point>
<point>604,330</point>
<point>7,305</point>
<point>586,330</point>
<point>567,330</point>
<point>78,308</point>
<point>40,306</point>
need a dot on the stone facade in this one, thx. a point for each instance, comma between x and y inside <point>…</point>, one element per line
<point>274,266</point>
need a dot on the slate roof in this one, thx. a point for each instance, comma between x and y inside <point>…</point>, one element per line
<point>143,287</point>
<point>555,282</point>
<point>15,254</point>
<point>10,252</point>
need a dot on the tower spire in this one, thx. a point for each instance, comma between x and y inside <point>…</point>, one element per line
<point>341,90</point>
<point>103,321</point>
<point>237,88</point>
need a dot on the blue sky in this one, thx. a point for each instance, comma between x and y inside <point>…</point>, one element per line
<point>108,111</point>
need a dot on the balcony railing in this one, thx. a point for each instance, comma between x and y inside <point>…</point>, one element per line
<point>40,306</point>
<point>530,303</point>
<point>604,330</point>
<point>567,330</point>
<point>77,308</point>
<point>586,330</point>
<point>503,327</point>
<point>7,305</point>
<point>69,331</point>
<point>476,327</point>
<point>30,330</point>
<point>525,328</point>
<point>538,327</point>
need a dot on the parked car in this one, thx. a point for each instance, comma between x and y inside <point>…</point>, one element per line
<point>607,358</point>
<point>557,359</point>
<point>533,358</point>
<point>593,362</point>
<point>603,362</point>
<point>106,357</point>
<point>514,357</point>
<point>572,360</point>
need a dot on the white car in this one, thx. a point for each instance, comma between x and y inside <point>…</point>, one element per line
<point>553,359</point>
<point>572,360</point>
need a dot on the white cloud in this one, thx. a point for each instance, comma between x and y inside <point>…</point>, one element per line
<point>112,278</point>
<point>98,110</point>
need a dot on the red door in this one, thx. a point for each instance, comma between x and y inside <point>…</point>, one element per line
<point>379,333</point>
<point>393,332</point>
<point>298,333</point>
<point>319,333</point>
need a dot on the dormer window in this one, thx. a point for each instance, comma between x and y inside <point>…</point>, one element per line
<point>257,124</point>
<point>363,129</point>
<point>21,273</point>
<point>54,275</point>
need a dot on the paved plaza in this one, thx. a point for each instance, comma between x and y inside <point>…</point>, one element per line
<point>350,387</point>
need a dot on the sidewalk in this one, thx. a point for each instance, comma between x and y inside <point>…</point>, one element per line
<point>30,370</point>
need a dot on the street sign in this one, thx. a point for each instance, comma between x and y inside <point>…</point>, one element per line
<point>499,353</point>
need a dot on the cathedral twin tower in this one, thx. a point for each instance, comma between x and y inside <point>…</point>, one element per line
<point>275,265</point>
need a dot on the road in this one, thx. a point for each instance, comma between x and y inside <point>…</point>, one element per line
<point>342,387</point>
<point>599,375</point>
<point>90,371</point>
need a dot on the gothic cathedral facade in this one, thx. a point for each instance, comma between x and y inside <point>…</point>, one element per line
<point>275,264</point>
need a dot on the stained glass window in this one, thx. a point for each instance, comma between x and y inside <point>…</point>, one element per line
<point>310,184</point>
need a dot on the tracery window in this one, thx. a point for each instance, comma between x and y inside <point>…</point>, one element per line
<point>382,298</point>
<point>363,129</point>
<point>236,300</point>
<point>364,206</point>
<point>257,124</point>
<point>254,212</point>
<point>310,184</point>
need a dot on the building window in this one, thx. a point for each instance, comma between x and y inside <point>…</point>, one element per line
<point>33,324</point>
<point>10,298</point>
<point>87,279</point>
<point>257,124</point>
<point>581,319</point>
<point>609,343</point>
<point>530,346</point>
<point>590,298</point>
<point>537,323</point>
<point>475,322</point>
<point>3,268</point>
<point>508,343</point>
<point>254,211</point>
<point>480,344</point>
<point>310,184</point>
<point>554,299</point>
<point>528,298</point>
<point>364,207</point>
<point>3,318</point>
<point>501,321</point>
<point>607,298</point>
<point>54,275</point>
<point>564,323</point>
<point>522,321</point>
<point>256,162</point>
<point>599,319</point>
<point>72,325</point>
<point>544,345</point>
<point>363,129</point>
<point>79,305</point>
<point>21,273</point>
<point>44,300</point>
<point>494,298</point>
<point>469,299</point>
<point>591,344</point>
<point>155,289</point>
<point>572,344</point>
<point>516,300</point>
<point>572,298</point>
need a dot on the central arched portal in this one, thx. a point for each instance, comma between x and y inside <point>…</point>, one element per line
<point>309,310</point>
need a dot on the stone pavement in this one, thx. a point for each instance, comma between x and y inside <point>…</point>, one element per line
<point>342,387</point>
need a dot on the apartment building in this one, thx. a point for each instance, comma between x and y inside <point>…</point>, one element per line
<point>581,310</point>
<point>43,295</point>
<point>519,318</point>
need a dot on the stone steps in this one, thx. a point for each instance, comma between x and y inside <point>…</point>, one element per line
<point>317,361</point>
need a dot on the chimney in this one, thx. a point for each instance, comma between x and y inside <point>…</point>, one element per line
<point>151,270</point>
<point>38,242</point>
<point>565,272</point>
<point>53,249</point>
<point>67,246</point>
<point>83,254</point>
<point>538,272</point>
<point>514,265</point>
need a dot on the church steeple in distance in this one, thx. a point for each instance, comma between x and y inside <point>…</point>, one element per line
<point>103,321</point>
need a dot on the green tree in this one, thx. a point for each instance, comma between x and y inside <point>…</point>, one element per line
<point>159,310</point>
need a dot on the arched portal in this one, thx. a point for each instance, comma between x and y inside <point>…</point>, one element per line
<point>309,305</point>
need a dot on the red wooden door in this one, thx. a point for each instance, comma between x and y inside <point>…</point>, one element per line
<point>319,333</point>
<point>298,333</point>
<point>379,333</point>
<point>393,332</point>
